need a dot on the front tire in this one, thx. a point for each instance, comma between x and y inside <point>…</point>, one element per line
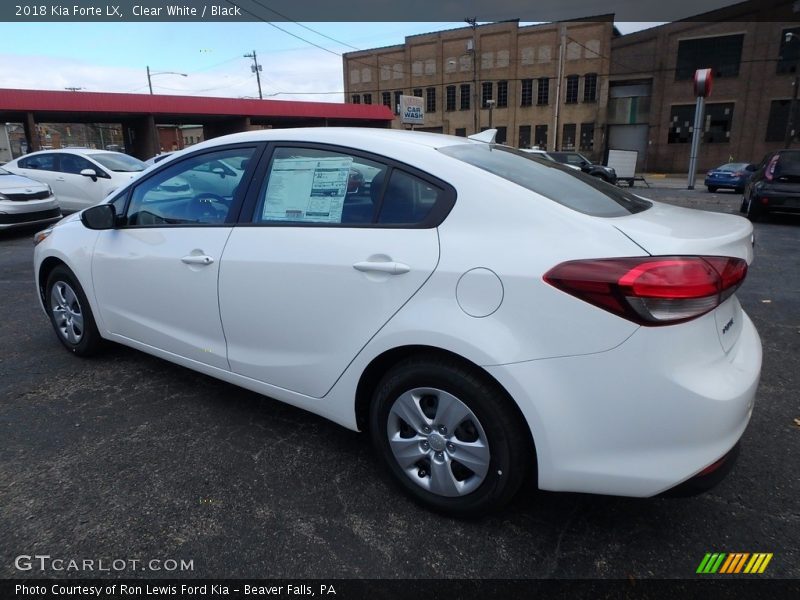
<point>450,436</point>
<point>70,313</point>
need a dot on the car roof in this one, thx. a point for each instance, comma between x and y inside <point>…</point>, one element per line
<point>72,151</point>
<point>349,136</point>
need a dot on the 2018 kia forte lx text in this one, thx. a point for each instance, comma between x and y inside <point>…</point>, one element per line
<point>485,315</point>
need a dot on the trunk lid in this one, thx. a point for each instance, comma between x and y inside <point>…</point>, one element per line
<point>672,230</point>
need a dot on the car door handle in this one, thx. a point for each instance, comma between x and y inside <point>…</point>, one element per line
<point>197,259</point>
<point>392,268</point>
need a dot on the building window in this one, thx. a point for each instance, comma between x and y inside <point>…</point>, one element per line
<point>540,137</point>
<point>543,92</point>
<point>681,120</point>
<point>450,98</point>
<point>430,100</point>
<point>397,101</point>
<point>568,137</point>
<point>465,91</point>
<point>387,99</point>
<point>572,89</point>
<point>501,135</point>
<point>527,92</point>
<point>367,98</point>
<point>590,87</point>
<point>356,99</point>
<point>778,120</point>
<point>722,54</point>
<point>717,121</point>
<point>587,137</point>
<point>461,131</point>
<point>789,53</point>
<point>502,94</point>
<point>418,92</point>
<point>524,136</point>
<point>486,93</point>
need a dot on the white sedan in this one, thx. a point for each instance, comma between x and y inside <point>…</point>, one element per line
<point>80,177</point>
<point>25,202</point>
<point>485,315</point>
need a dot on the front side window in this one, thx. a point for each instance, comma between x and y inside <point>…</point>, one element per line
<point>199,190</point>
<point>74,164</point>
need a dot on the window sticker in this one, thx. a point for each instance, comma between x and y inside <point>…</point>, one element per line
<point>307,189</point>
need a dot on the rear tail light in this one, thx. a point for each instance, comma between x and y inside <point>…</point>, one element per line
<point>658,290</point>
<point>769,172</point>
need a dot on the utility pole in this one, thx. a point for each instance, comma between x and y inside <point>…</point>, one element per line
<point>149,83</point>
<point>474,24</point>
<point>255,68</point>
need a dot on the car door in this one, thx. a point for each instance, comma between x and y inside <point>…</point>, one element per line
<point>155,275</point>
<point>76,191</point>
<point>39,167</point>
<point>318,271</point>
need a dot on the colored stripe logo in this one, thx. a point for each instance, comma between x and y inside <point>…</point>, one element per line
<point>734,562</point>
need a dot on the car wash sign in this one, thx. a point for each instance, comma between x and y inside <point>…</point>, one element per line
<point>412,110</point>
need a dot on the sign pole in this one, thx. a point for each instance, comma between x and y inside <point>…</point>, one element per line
<point>702,89</point>
<point>698,124</point>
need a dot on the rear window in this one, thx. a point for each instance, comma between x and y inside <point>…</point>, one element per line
<point>558,183</point>
<point>733,167</point>
<point>788,164</point>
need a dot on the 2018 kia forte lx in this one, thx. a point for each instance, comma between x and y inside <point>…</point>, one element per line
<point>487,316</point>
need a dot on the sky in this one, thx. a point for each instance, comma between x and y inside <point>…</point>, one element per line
<point>113,57</point>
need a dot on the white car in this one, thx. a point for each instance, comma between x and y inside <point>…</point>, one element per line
<point>485,316</point>
<point>80,177</point>
<point>25,202</point>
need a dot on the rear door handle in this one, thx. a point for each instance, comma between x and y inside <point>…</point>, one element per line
<point>195,259</point>
<point>392,268</point>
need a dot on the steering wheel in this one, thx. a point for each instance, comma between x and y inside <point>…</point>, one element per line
<point>207,208</point>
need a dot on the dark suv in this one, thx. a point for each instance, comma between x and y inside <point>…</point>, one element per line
<point>774,186</point>
<point>576,159</point>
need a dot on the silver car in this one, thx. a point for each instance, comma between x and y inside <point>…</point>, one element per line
<point>24,201</point>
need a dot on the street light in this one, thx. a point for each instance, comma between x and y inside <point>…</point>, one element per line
<point>149,75</point>
<point>490,104</point>
<point>790,121</point>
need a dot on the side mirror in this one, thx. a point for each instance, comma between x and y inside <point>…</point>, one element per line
<point>219,171</point>
<point>750,168</point>
<point>89,173</point>
<point>102,216</point>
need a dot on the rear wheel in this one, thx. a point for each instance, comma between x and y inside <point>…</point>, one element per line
<point>449,436</point>
<point>70,313</point>
<point>753,210</point>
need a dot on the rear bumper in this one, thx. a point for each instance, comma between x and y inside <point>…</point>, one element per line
<point>642,418</point>
<point>708,478</point>
<point>776,200</point>
<point>734,184</point>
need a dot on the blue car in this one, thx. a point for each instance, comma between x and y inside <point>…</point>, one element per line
<point>729,175</point>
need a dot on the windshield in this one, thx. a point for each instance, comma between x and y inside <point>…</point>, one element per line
<point>566,186</point>
<point>116,161</point>
<point>4,172</point>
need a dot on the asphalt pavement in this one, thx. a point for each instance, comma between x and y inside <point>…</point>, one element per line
<point>126,456</point>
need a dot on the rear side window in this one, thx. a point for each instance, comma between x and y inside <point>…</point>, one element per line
<point>559,183</point>
<point>43,162</point>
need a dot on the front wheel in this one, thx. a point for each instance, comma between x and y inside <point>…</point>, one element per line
<point>70,313</point>
<point>450,436</point>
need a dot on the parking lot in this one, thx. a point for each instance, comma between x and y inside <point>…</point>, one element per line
<point>126,456</point>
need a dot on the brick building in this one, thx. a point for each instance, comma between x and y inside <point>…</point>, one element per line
<point>631,92</point>
<point>499,71</point>
<point>652,103</point>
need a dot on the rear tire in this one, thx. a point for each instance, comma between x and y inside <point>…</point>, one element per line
<point>753,211</point>
<point>70,313</point>
<point>427,413</point>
